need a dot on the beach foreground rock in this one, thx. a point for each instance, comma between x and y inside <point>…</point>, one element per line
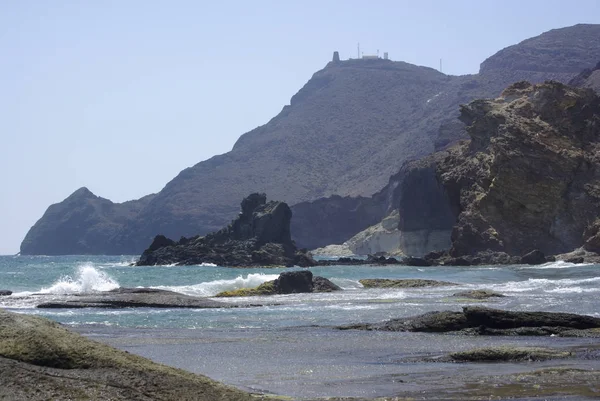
<point>480,320</point>
<point>259,236</point>
<point>42,360</point>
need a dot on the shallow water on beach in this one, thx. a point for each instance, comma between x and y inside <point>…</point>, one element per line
<point>288,346</point>
<point>308,362</point>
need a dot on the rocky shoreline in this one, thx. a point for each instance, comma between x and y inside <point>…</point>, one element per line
<point>40,360</point>
<point>37,353</point>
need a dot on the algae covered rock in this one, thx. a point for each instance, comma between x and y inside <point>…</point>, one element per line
<point>401,283</point>
<point>266,288</point>
<point>509,354</point>
<point>478,294</point>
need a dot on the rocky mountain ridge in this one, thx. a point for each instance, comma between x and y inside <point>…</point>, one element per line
<point>350,128</point>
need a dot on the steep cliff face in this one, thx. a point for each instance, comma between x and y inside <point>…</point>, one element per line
<point>530,176</point>
<point>345,132</point>
<point>82,224</point>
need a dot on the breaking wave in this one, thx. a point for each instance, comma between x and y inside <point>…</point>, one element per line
<point>211,288</point>
<point>88,279</point>
<point>559,264</point>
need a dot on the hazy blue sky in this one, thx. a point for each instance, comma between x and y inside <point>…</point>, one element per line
<point>119,96</point>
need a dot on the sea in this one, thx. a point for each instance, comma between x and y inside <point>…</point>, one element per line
<point>288,344</point>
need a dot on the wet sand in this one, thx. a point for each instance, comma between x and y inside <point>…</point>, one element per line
<point>315,362</point>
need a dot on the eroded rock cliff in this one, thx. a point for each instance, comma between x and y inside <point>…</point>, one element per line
<point>528,179</point>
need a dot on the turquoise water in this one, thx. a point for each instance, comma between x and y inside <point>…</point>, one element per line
<point>555,286</point>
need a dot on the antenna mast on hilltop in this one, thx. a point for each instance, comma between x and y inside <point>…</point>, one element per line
<point>358,50</point>
<point>440,65</point>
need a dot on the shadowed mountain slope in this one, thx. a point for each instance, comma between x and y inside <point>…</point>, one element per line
<point>82,224</point>
<point>588,78</point>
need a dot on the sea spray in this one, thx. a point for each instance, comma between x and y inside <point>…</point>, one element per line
<point>211,288</point>
<point>88,279</point>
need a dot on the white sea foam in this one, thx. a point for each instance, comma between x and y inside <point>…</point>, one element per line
<point>211,288</point>
<point>88,279</point>
<point>346,283</point>
<point>559,264</point>
<point>123,263</point>
<point>201,265</point>
<point>560,285</point>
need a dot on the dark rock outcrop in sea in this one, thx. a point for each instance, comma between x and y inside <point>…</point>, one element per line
<point>535,257</point>
<point>477,320</point>
<point>367,117</point>
<point>259,236</point>
<point>292,282</point>
<point>42,360</point>
<point>5,293</point>
<point>134,298</point>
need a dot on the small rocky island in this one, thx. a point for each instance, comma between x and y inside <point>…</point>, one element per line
<point>259,236</point>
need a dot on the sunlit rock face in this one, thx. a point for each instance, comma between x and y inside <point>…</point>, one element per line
<point>529,178</point>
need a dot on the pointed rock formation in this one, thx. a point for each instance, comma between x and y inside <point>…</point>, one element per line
<point>259,236</point>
